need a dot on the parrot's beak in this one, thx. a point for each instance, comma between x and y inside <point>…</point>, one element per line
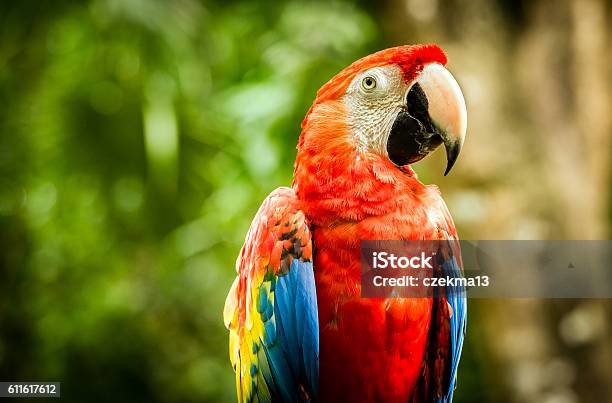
<point>435,113</point>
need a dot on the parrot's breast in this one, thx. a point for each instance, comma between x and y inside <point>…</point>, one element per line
<point>371,349</point>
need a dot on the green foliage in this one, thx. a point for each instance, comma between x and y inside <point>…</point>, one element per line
<point>137,139</point>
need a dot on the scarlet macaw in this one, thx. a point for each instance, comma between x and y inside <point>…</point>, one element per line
<point>298,280</point>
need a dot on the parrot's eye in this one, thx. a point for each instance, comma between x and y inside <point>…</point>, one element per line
<point>368,83</point>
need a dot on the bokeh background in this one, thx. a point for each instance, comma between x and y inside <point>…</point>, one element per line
<point>137,139</point>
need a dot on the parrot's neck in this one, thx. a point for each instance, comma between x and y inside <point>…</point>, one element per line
<point>339,183</point>
<point>352,189</point>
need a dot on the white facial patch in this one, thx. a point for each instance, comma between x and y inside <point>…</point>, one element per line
<point>374,99</point>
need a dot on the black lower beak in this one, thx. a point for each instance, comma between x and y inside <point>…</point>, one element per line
<point>413,134</point>
<point>409,140</point>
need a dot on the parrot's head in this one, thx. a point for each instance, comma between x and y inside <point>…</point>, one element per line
<point>382,113</point>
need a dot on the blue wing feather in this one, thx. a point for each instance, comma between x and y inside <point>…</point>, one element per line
<point>297,326</point>
<point>457,300</point>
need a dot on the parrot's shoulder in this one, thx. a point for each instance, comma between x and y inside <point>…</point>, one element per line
<point>279,225</point>
<point>279,233</point>
<point>438,213</point>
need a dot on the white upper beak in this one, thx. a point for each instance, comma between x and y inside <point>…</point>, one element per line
<point>446,107</point>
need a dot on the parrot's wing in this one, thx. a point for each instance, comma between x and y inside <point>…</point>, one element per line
<point>453,309</point>
<point>271,309</point>
<point>449,319</point>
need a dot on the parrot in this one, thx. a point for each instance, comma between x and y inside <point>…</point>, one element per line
<point>299,329</point>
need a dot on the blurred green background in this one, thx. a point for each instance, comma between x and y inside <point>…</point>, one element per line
<point>137,139</point>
